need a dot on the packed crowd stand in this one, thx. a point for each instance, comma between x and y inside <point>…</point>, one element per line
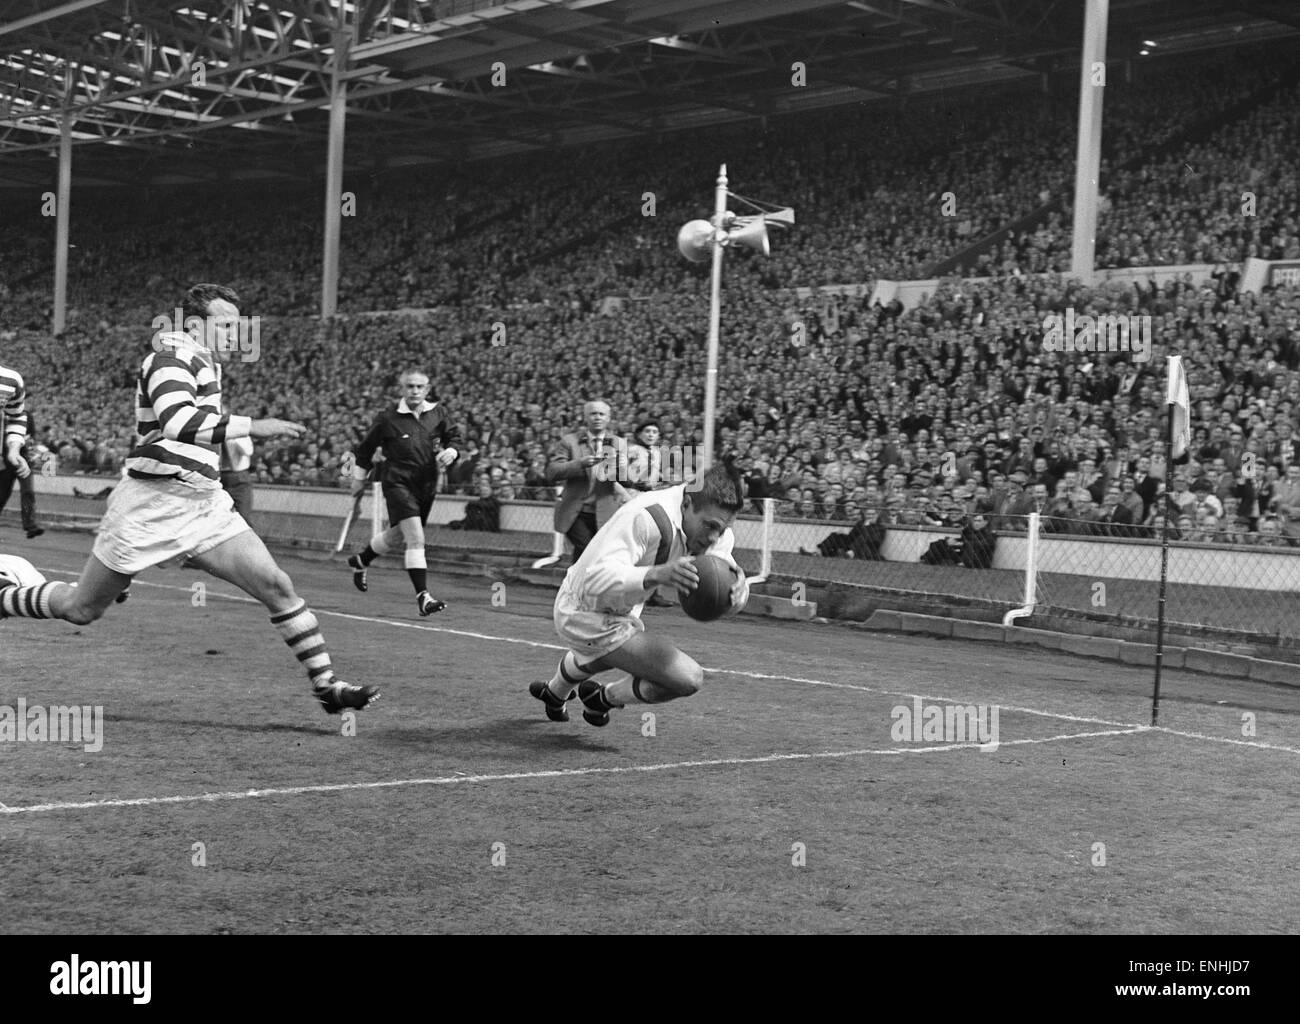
<point>542,285</point>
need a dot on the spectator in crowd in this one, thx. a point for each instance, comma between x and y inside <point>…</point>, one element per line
<point>977,543</point>
<point>1182,499</point>
<point>862,540</point>
<point>483,513</point>
<point>1286,494</point>
<point>1117,518</point>
<point>1270,533</point>
<point>645,458</point>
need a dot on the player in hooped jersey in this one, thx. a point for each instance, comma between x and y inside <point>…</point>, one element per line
<point>171,504</point>
<point>15,434</point>
<point>648,543</point>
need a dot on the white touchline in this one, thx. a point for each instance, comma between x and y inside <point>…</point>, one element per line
<point>728,671</point>
<point>451,780</point>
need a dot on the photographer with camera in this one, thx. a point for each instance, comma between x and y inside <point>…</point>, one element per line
<point>591,494</point>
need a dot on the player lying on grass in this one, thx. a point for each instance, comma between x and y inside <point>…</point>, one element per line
<point>171,504</point>
<point>649,542</point>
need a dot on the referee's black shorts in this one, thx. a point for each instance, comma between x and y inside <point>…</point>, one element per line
<point>405,499</point>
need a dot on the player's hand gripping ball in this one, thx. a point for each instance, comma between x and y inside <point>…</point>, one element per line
<point>711,599</point>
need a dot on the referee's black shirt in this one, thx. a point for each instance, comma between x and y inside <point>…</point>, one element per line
<point>410,444</point>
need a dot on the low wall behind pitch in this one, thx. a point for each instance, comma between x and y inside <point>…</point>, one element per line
<point>318,510</point>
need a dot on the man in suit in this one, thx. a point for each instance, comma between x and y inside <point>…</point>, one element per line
<point>1022,461</point>
<point>1093,481</point>
<point>1287,493</point>
<point>1013,505</point>
<point>591,492</point>
<point>1117,517</point>
<point>1145,484</point>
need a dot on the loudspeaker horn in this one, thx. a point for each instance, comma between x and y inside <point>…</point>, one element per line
<point>750,232</point>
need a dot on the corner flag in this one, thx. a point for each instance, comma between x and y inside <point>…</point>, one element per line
<point>1180,425</point>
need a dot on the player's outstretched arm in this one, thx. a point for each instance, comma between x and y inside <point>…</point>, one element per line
<point>172,391</point>
<point>275,428</point>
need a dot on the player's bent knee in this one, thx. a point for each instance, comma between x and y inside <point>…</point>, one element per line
<point>685,681</point>
<point>694,680</point>
<point>276,587</point>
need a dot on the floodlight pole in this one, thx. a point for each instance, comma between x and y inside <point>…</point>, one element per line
<point>329,299</point>
<point>62,211</point>
<point>715,319</point>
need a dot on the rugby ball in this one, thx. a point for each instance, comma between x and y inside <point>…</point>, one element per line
<point>711,598</point>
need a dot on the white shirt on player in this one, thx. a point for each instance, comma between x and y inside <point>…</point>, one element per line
<point>610,575</point>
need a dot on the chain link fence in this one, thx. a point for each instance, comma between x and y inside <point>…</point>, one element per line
<point>908,560</point>
<point>1227,596</point>
<point>1219,594</point>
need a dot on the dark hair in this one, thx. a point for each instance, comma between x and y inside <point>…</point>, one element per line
<point>722,488</point>
<point>648,423</point>
<point>201,296</point>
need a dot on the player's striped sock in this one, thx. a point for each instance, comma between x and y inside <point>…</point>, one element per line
<point>567,677</point>
<point>29,602</point>
<point>301,632</point>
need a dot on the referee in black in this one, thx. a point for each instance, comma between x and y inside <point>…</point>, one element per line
<point>416,438</point>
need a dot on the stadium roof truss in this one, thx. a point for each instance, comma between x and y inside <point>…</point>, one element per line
<point>211,90</point>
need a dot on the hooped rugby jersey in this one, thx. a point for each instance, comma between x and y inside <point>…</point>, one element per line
<point>13,407</point>
<point>178,416</point>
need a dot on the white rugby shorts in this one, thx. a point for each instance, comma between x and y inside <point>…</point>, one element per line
<point>591,635</point>
<point>151,521</point>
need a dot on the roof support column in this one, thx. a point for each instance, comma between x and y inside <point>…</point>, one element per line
<point>334,171</point>
<point>63,201</point>
<point>1092,82</point>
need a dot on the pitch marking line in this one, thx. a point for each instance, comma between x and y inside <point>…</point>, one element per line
<point>1125,726</point>
<point>451,780</point>
<point>726,671</point>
